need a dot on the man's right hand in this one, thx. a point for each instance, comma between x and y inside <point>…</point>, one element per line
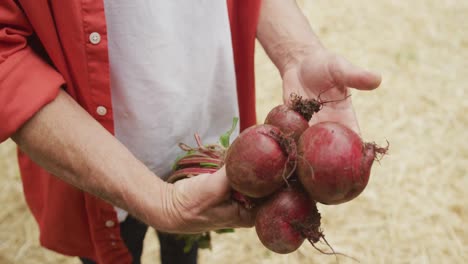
<point>204,203</point>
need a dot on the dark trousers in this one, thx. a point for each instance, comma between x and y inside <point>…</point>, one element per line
<point>172,249</point>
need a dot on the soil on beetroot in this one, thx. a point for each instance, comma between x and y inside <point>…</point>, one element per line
<point>305,107</point>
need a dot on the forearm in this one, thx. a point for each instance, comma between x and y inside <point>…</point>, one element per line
<point>285,33</point>
<point>65,140</point>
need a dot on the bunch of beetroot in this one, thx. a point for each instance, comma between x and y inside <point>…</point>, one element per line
<point>291,166</point>
<point>284,167</point>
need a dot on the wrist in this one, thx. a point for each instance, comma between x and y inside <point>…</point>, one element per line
<point>156,207</point>
<point>168,216</point>
<point>285,33</point>
<point>290,55</point>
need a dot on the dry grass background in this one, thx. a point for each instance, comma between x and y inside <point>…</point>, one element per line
<point>415,208</point>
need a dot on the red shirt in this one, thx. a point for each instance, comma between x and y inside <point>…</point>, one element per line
<point>46,45</point>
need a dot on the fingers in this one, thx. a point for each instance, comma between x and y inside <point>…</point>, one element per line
<point>246,216</point>
<point>204,203</point>
<point>235,215</point>
<point>353,76</point>
<point>212,197</point>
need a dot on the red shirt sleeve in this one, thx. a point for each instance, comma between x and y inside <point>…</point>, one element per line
<point>27,82</point>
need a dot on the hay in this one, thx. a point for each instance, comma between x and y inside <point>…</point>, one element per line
<point>414,209</point>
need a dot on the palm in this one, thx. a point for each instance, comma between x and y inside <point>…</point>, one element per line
<point>327,77</point>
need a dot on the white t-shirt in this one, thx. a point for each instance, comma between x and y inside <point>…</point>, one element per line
<point>172,74</point>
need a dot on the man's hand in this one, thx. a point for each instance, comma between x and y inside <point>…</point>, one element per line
<point>326,77</point>
<point>307,68</point>
<point>203,203</point>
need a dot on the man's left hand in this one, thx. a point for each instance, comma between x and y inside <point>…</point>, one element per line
<point>324,76</point>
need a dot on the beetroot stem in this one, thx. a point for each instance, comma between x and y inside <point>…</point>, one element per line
<point>198,160</point>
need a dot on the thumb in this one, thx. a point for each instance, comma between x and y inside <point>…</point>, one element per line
<point>217,182</point>
<point>355,77</point>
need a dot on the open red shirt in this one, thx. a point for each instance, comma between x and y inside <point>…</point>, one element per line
<point>46,45</point>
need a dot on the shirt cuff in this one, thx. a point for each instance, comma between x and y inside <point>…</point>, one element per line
<point>27,83</point>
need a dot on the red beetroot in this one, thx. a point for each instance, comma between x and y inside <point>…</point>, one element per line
<point>286,219</point>
<point>334,164</point>
<point>287,120</point>
<point>259,161</point>
<point>293,118</point>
